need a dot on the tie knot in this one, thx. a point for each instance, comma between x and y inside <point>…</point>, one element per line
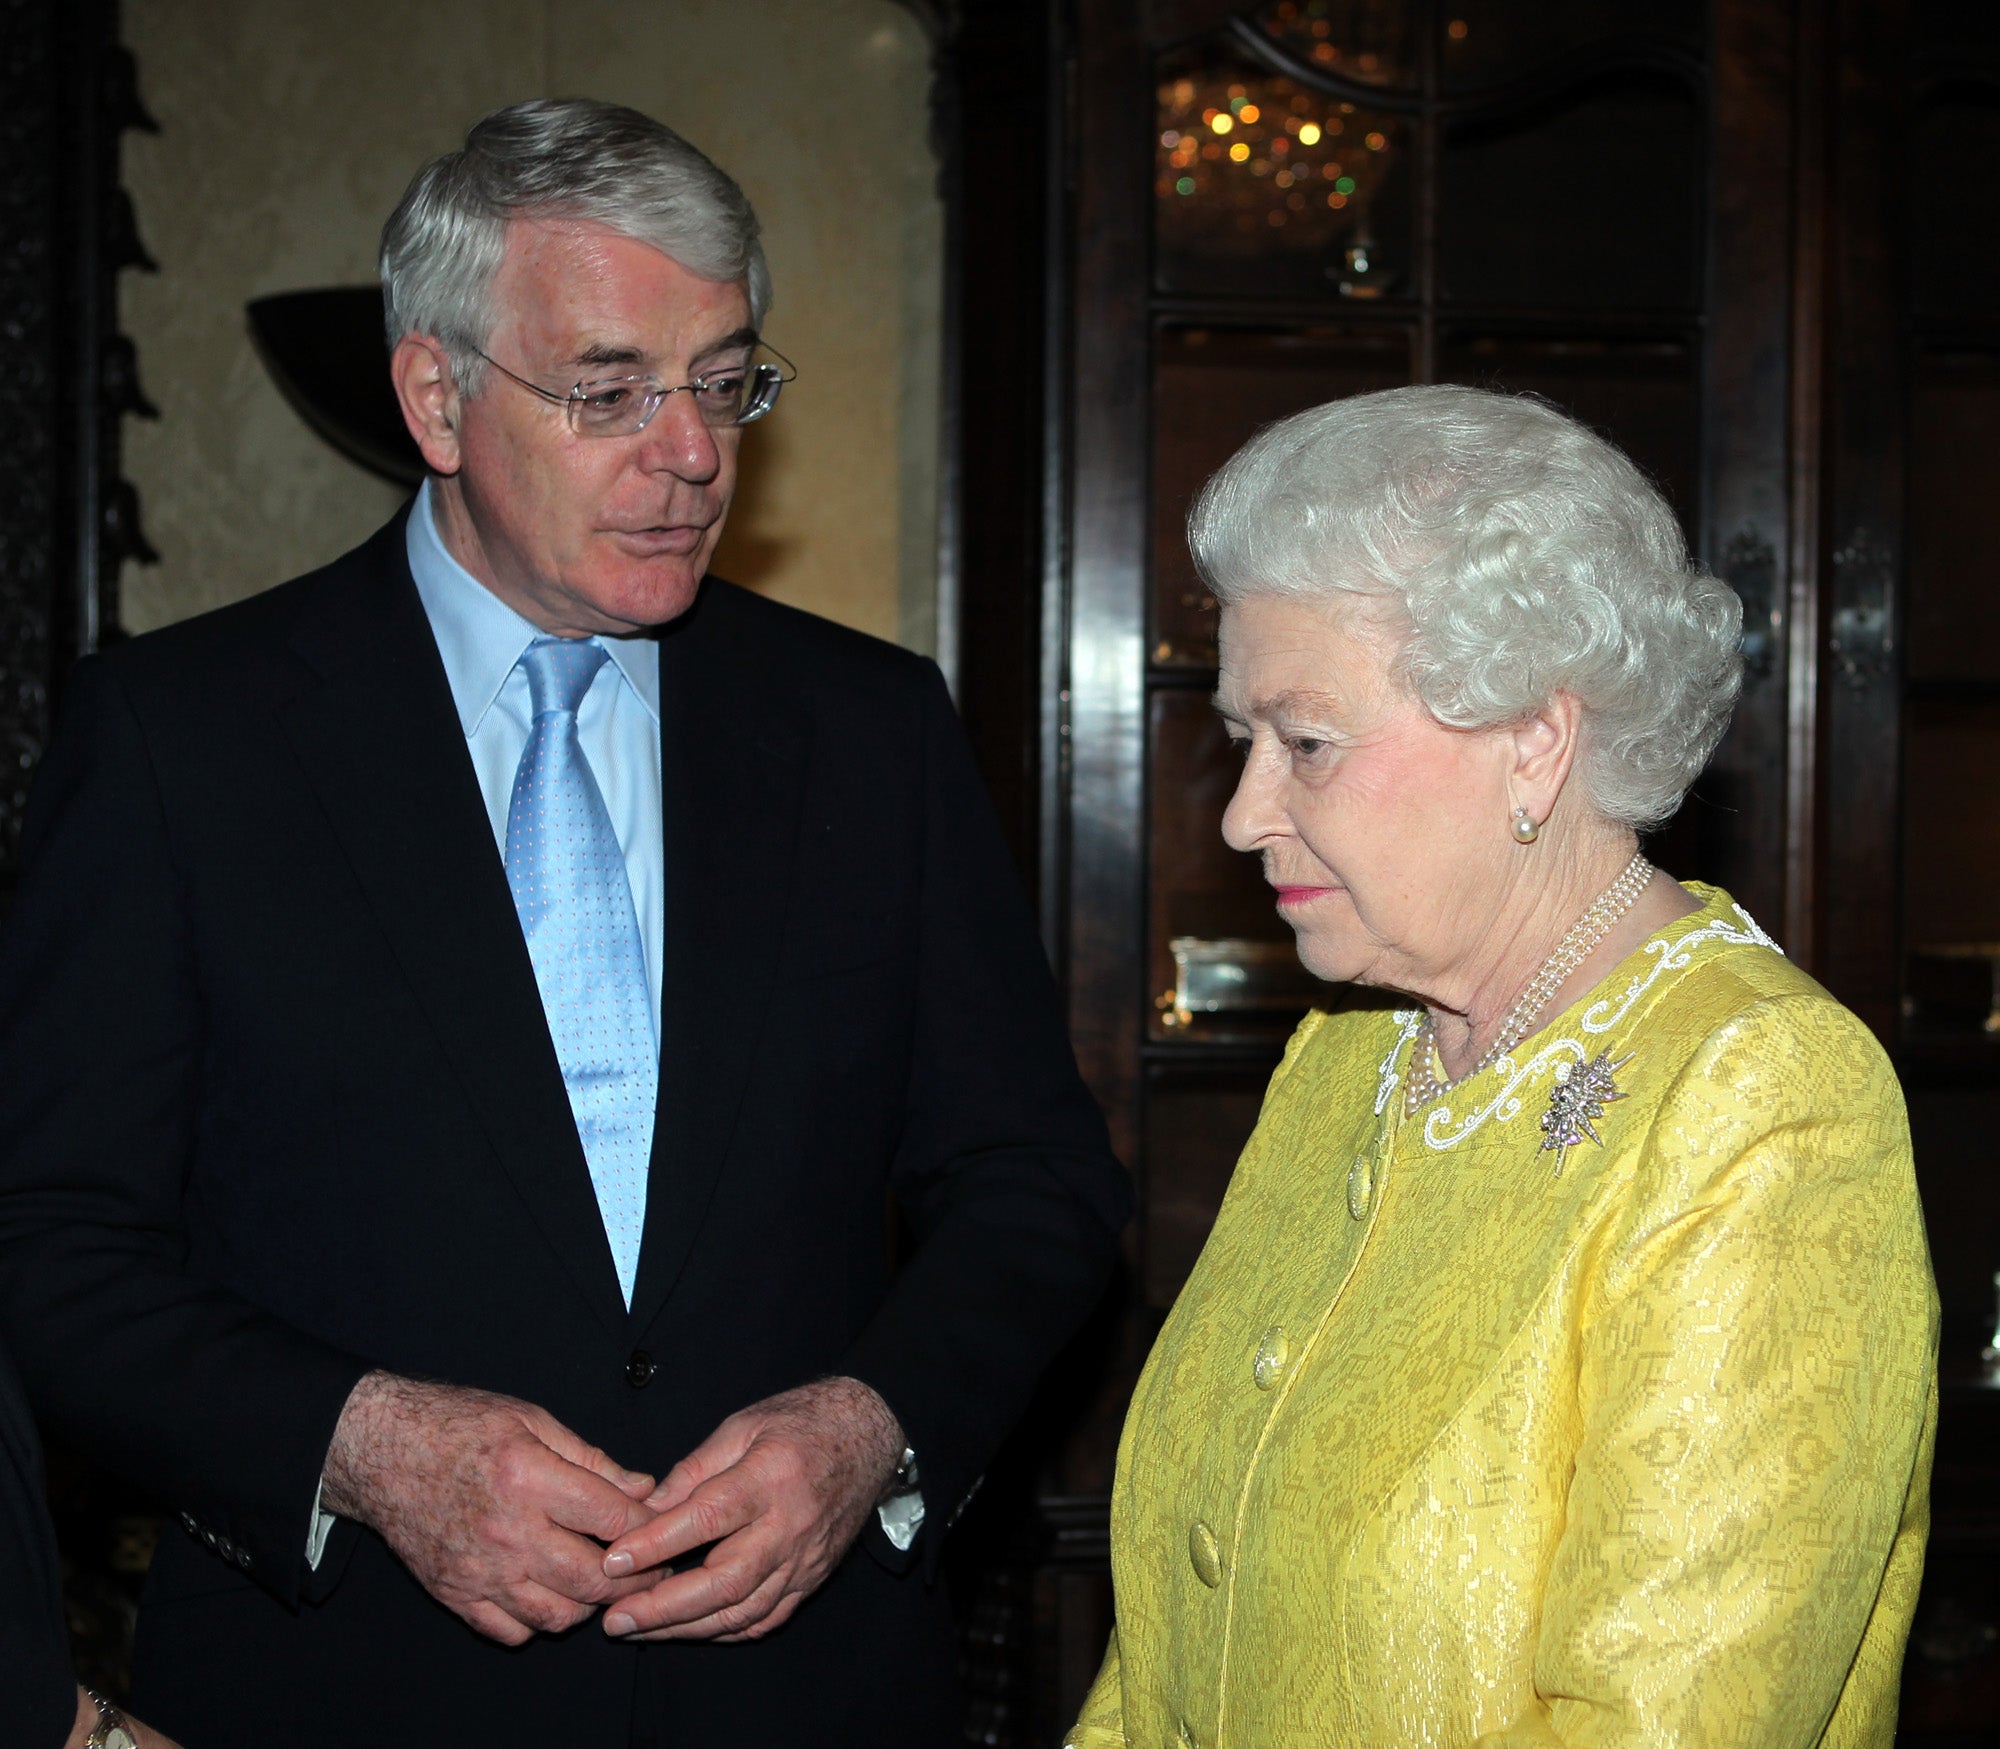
<point>560,671</point>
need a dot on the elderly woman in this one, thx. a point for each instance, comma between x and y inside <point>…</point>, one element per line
<point>1561,1368</point>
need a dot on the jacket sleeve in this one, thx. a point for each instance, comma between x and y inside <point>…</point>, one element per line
<point>37,1690</point>
<point>1758,1368</point>
<point>1004,1167</point>
<point>223,1410</point>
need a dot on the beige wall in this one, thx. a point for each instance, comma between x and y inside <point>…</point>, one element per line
<point>290,127</point>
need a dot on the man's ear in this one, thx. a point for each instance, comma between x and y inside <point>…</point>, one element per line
<point>1544,747</point>
<point>429,398</point>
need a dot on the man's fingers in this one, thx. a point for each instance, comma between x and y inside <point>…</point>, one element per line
<point>788,1606</point>
<point>766,1607</point>
<point>713,1511</point>
<point>633,1484</point>
<point>575,1449</point>
<point>572,1567</point>
<point>544,1609</point>
<point>580,1501</point>
<point>495,1623</point>
<point>677,1484</point>
<point>733,1571</point>
<point>720,1452</point>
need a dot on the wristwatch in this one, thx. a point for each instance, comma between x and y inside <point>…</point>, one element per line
<point>112,1730</point>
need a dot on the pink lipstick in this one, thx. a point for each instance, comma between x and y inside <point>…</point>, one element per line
<point>1299,895</point>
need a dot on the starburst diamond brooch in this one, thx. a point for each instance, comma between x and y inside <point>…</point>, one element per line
<point>1580,1094</point>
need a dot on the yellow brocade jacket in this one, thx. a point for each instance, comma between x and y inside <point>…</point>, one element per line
<point>1453,1439</point>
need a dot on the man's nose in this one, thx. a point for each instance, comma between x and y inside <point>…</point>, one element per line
<point>678,441</point>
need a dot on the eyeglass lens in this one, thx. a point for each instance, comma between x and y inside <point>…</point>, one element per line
<point>617,407</point>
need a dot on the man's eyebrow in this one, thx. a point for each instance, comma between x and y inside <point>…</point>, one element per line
<point>740,341</point>
<point>603,352</point>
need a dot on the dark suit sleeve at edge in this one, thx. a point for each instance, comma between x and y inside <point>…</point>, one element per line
<point>37,1691</point>
<point>1005,1168</point>
<point>221,1408</point>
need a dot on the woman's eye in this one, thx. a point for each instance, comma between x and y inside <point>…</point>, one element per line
<point>1304,746</point>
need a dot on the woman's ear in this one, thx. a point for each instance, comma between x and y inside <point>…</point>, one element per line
<point>421,372</point>
<point>1544,746</point>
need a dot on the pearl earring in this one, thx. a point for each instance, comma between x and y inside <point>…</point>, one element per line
<point>1525,829</point>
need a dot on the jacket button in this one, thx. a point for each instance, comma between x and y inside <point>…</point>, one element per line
<point>639,1369</point>
<point>1360,1186</point>
<point>1272,1353</point>
<point>1205,1554</point>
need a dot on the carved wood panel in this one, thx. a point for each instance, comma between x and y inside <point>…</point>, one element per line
<point>69,519</point>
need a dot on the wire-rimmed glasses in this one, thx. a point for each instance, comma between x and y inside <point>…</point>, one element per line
<point>734,394</point>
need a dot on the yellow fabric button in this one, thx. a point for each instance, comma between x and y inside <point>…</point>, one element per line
<point>1360,1186</point>
<point>1205,1554</point>
<point>1272,1354</point>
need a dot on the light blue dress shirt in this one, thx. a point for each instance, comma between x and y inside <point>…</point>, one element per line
<point>481,639</point>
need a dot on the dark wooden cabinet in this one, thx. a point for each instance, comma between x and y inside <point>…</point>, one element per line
<point>1757,243</point>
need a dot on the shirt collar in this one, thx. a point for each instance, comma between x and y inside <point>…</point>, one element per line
<point>481,638</point>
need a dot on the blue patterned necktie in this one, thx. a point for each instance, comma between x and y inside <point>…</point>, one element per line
<point>568,877</point>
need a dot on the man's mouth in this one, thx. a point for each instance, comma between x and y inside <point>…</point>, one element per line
<point>661,540</point>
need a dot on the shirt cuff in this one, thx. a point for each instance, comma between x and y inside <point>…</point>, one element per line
<point>901,1515</point>
<point>322,1528</point>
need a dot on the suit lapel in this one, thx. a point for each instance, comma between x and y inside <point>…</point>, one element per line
<point>730,803</point>
<point>382,746</point>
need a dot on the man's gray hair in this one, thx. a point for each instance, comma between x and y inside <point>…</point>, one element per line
<point>561,158</point>
<point>1522,555</point>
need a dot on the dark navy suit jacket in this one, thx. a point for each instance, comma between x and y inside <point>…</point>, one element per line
<point>280,1105</point>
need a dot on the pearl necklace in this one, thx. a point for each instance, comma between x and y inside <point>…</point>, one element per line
<point>1426,1084</point>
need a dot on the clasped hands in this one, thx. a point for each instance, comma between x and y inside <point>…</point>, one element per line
<point>504,1515</point>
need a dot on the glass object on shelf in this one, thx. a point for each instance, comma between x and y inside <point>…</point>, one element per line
<point>1197,886</point>
<point>1369,41</point>
<point>1234,976</point>
<point>1264,185</point>
<point>1213,389</point>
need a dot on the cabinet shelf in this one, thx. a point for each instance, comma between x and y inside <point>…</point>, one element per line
<point>1957,690</point>
<point>1555,321</point>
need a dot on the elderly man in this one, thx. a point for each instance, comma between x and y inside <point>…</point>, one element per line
<point>466,1016</point>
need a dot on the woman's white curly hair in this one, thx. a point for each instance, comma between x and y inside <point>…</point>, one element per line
<point>1526,557</point>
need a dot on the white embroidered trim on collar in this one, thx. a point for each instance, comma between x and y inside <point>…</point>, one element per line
<point>1409,1019</point>
<point>1442,1129</point>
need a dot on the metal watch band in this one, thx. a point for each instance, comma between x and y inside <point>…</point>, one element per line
<point>109,1719</point>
